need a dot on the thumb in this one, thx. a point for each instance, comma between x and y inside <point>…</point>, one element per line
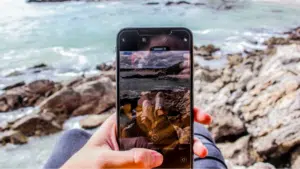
<point>134,158</point>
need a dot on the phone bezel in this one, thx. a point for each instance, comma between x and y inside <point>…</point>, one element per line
<point>191,81</point>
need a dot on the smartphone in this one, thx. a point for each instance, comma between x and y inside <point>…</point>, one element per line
<point>155,92</point>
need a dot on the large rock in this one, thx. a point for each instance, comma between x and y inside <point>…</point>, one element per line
<point>237,152</point>
<point>31,94</point>
<point>261,95</point>
<point>95,97</point>
<point>13,137</point>
<point>62,103</point>
<point>36,124</point>
<point>94,120</point>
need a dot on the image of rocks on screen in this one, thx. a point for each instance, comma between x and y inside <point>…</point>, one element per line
<point>155,99</point>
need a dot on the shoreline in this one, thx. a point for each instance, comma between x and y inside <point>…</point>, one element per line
<point>233,95</point>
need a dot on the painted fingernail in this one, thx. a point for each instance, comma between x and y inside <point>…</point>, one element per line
<point>157,159</point>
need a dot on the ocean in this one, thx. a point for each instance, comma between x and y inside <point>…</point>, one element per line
<point>73,37</point>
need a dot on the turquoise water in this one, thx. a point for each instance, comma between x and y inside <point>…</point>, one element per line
<point>79,35</point>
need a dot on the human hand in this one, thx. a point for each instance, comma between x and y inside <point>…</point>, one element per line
<point>101,151</point>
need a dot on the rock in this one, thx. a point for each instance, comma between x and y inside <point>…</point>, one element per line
<point>169,3</point>
<point>205,51</point>
<point>183,2</point>
<point>152,3</point>
<point>104,66</point>
<point>18,84</point>
<point>36,124</point>
<point>295,34</point>
<point>225,124</point>
<point>62,103</point>
<point>96,97</point>
<point>27,95</point>
<point>276,41</point>
<point>38,66</point>
<point>235,59</point>
<point>93,121</point>
<point>10,102</point>
<point>237,152</point>
<point>13,137</point>
<point>295,158</point>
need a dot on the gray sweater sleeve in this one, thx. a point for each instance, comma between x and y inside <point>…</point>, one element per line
<point>214,159</point>
<point>72,140</point>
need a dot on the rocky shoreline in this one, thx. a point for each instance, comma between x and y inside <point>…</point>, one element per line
<point>254,99</point>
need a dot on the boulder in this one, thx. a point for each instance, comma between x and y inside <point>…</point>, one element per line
<point>96,97</point>
<point>62,103</point>
<point>36,124</point>
<point>152,3</point>
<point>13,137</point>
<point>93,121</point>
<point>237,152</point>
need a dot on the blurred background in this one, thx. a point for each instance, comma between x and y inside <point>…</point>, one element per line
<point>247,72</point>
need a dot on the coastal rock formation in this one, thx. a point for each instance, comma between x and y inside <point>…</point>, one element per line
<point>19,95</point>
<point>91,97</point>
<point>261,93</point>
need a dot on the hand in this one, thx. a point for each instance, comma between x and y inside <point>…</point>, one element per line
<point>101,151</point>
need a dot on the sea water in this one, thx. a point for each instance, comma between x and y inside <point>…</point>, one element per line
<point>72,37</point>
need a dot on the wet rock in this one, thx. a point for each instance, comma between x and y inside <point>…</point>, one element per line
<point>93,121</point>
<point>295,34</point>
<point>36,124</point>
<point>96,97</point>
<point>295,158</point>
<point>237,152</point>
<point>39,66</point>
<point>276,41</point>
<point>104,67</point>
<point>205,51</point>
<point>177,3</point>
<point>152,3</point>
<point>18,84</point>
<point>13,137</point>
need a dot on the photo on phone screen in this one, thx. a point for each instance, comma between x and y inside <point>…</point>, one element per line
<point>154,94</point>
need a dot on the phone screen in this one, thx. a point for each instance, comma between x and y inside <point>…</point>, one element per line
<point>154,93</point>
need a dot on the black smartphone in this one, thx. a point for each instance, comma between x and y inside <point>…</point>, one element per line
<point>155,92</point>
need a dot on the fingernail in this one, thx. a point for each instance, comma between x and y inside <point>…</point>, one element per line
<point>157,159</point>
